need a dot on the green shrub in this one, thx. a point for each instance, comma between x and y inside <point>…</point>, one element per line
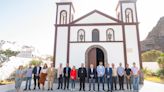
<point>160,61</point>
<point>9,52</point>
<point>151,56</point>
<point>160,73</point>
<point>35,62</point>
<point>148,72</point>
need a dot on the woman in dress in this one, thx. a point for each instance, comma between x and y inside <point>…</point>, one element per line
<point>43,75</point>
<point>19,77</point>
<point>73,77</point>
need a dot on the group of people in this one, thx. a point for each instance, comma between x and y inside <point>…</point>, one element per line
<point>99,74</point>
<point>39,75</point>
<point>94,74</point>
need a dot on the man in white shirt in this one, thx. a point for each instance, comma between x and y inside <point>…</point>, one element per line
<point>135,73</point>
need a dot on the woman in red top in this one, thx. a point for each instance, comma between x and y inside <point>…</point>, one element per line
<point>73,77</point>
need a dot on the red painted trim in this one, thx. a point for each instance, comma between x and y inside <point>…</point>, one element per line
<point>66,3</point>
<point>95,11</point>
<point>69,13</point>
<point>121,12</point>
<point>55,38</point>
<point>57,15</point>
<point>124,41</point>
<point>97,24</point>
<point>120,2</point>
<point>139,46</point>
<point>68,45</point>
<point>97,42</point>
<point>55,45</point>
<point>136,13</point>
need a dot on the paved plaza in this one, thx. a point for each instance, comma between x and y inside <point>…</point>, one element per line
<point>147,87</point>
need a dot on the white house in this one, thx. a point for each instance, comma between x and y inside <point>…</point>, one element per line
<point>97,36</point>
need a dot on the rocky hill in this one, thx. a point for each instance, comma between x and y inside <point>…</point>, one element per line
<point>155,38</point>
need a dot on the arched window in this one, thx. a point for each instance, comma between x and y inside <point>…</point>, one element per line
<point>63,17</point>
<point>129,15</point>
<point>81,35</point>
<point>95,35</point>
<point>110,34</point>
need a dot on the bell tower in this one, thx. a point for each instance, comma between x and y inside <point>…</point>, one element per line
<point>64,12</point>
<point>126,11</point>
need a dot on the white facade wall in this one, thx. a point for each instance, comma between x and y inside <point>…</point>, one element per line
<point>132,44</point>
<point>61,48</point>
<point>102,32</point>
<point>115,53</point>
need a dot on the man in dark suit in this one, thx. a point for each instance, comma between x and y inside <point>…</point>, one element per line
<point>82,73</point>
<point>36,72</point>
<point>66,72</point>
<point>92,77</point>
<point>108,73</point>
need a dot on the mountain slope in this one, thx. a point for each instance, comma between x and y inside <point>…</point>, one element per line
<point>155,38</point>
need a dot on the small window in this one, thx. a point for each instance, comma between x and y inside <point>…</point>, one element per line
<point>95,35</point>
<point>63,17</point>
<point>110,35</point>
<point>129,15</point>
<point>81,35</point>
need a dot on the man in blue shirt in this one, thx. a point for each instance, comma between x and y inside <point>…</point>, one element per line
<point>28,77</point>
<point>100,74</point>
<point>120,71</point>
<point>108,73</point>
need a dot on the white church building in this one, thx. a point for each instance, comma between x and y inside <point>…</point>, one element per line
<point>97,36</point>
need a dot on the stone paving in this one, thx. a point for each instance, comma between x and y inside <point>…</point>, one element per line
<point>148,87</point>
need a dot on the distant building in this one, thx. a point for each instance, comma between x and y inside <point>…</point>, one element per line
<point>27,52</point>
<point>97,36</point>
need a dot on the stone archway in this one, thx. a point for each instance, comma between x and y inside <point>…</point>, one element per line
<point>91,50</point>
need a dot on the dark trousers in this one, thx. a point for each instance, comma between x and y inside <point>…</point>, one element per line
<point>91,82</point>
<point>121,82</point>
<point>36,78</point>
<point>109,83</point>
<point>66,82</point>
<point>100,80</point>
<point>128,82</point>
<point>60,82</point>
<point>114,82</point>
<point>82,83</point>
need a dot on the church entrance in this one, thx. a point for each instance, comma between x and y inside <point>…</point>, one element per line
<point>95,55</point>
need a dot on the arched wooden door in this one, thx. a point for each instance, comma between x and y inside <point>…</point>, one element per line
<point>95,55</point>
<point>92,57</point>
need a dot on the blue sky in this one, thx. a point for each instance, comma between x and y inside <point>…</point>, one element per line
<point>32,21</point>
